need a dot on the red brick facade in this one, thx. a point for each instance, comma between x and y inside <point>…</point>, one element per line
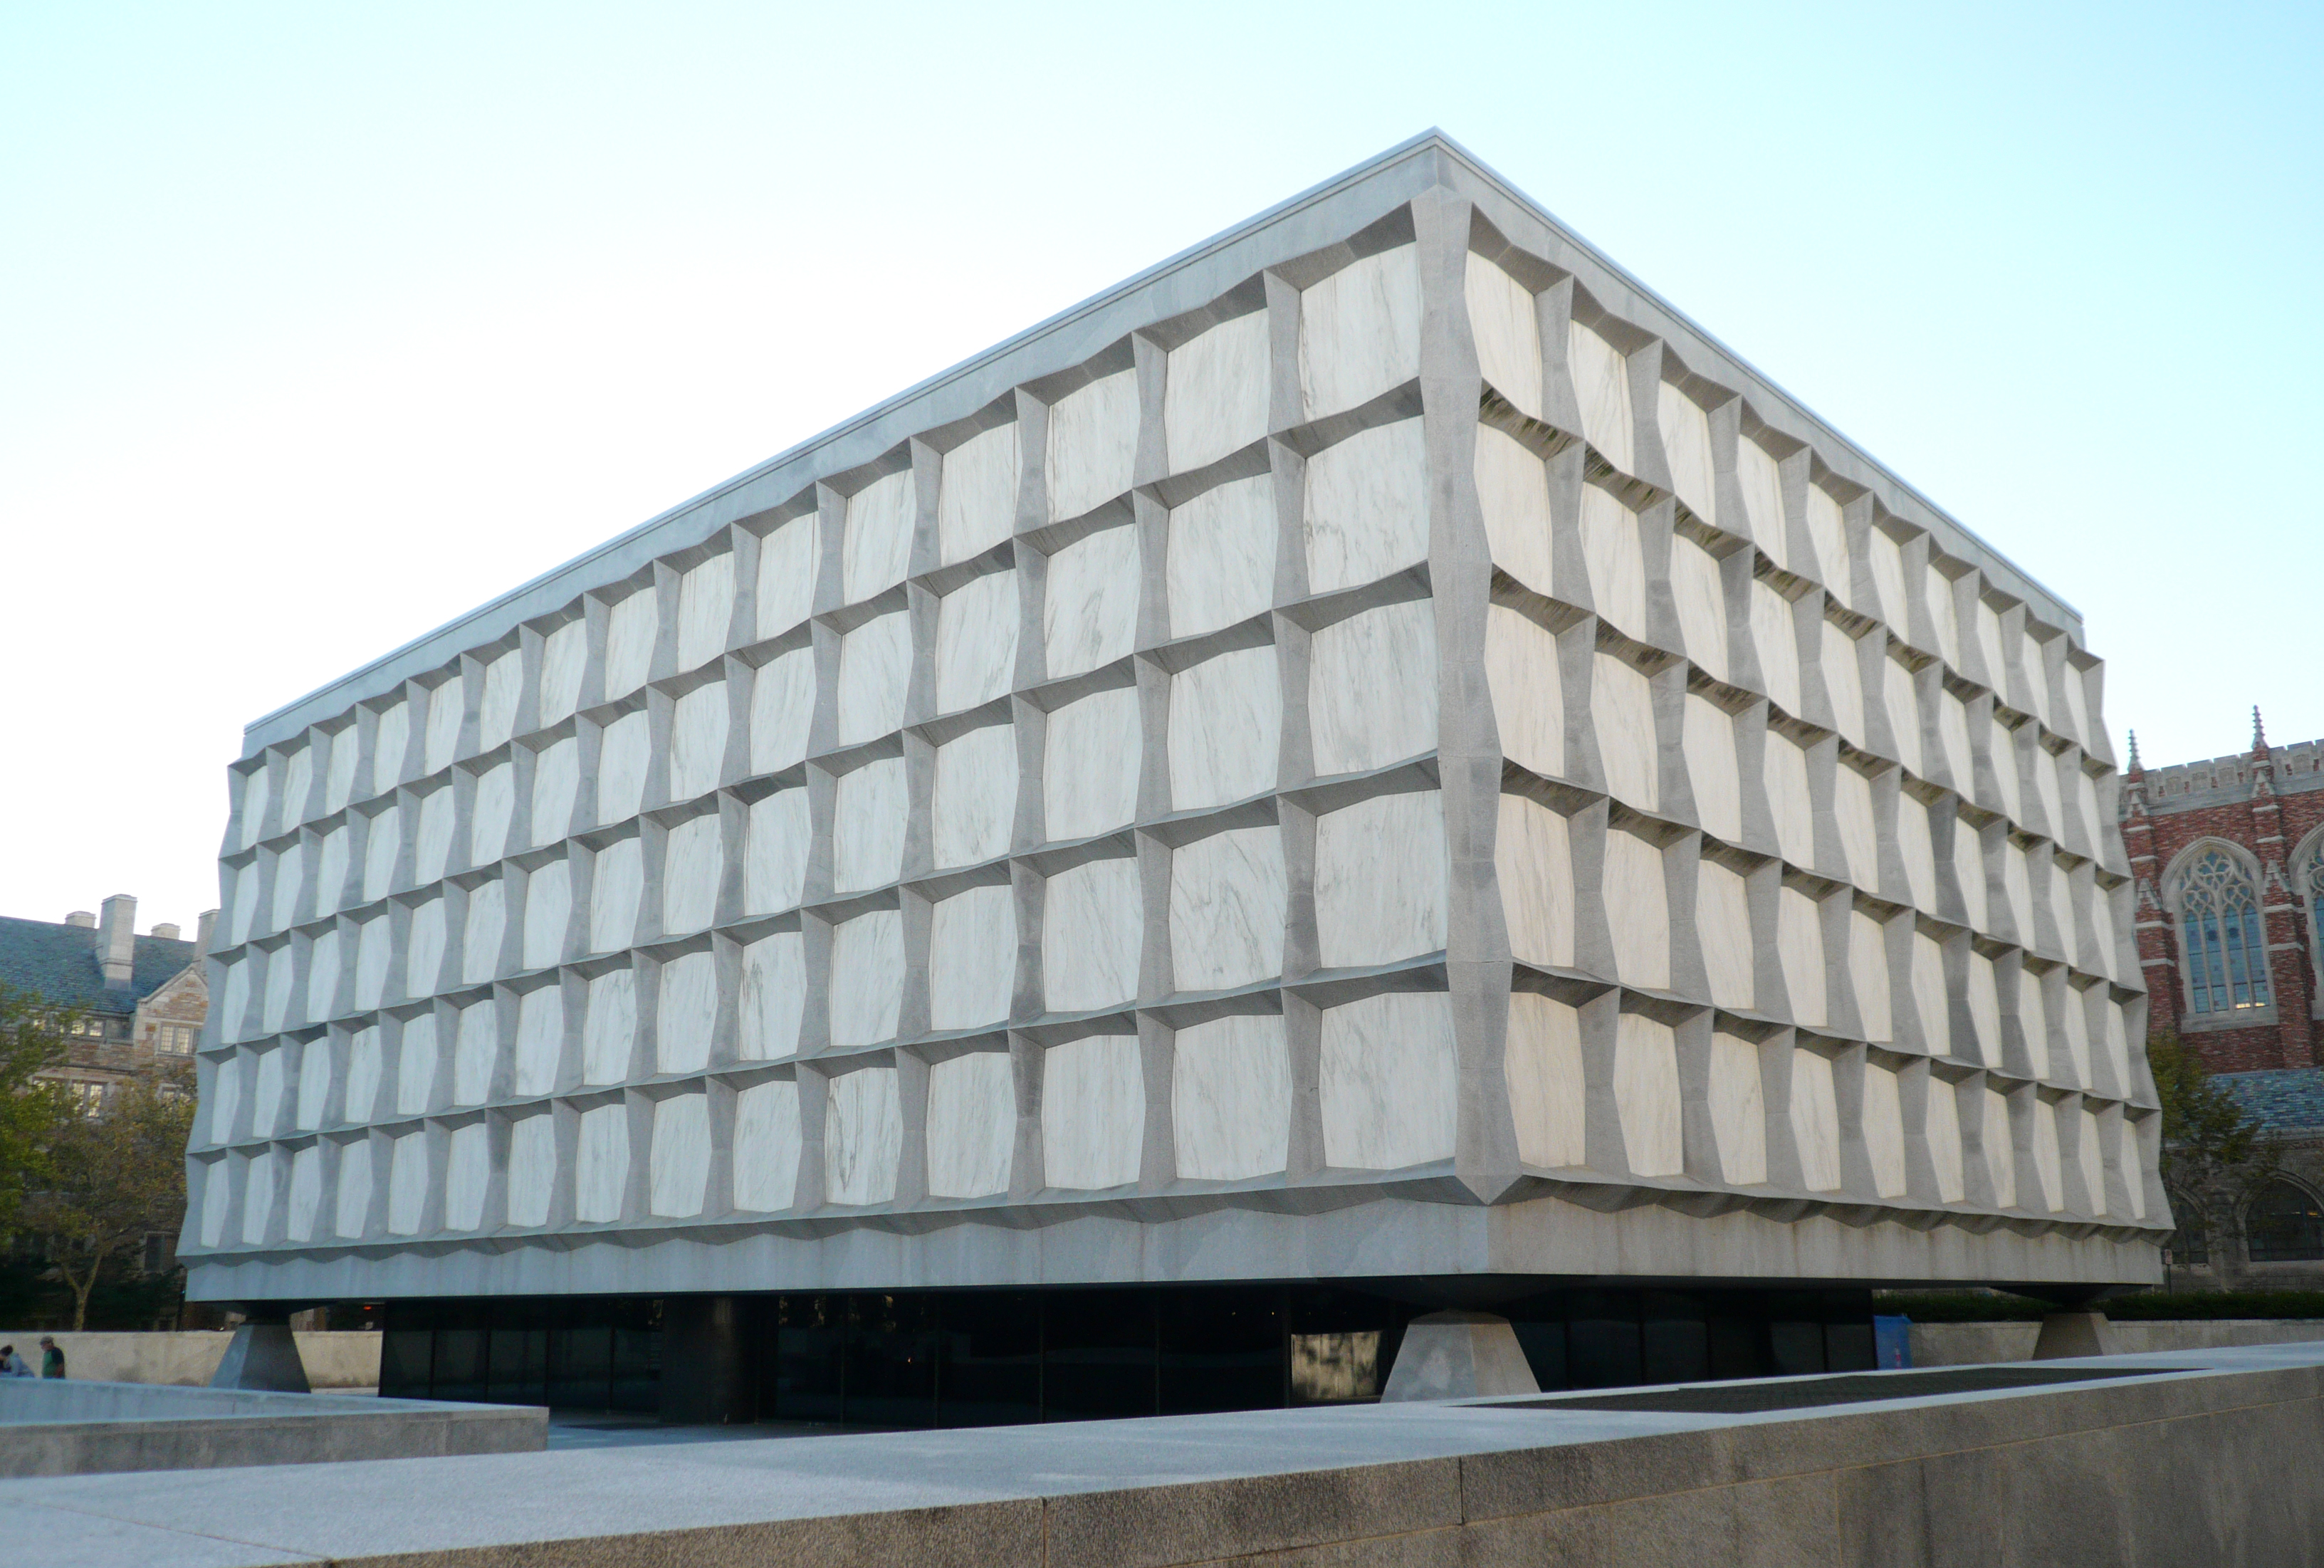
<point>2267,805</point>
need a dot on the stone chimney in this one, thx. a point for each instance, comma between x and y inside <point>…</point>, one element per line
<point>204,924</point>
<point>166,932</point>
<point>82,920</point>
<point>117,947</point>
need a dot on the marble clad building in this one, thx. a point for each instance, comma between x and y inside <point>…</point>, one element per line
<point>1373,748</point>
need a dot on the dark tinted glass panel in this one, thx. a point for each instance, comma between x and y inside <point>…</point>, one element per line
<point>519,1366</point>
<point>1100,1354</point>
<point>892,1361</point>
<point>404,1355</point>
<point>1222,1350</point>
<point>810,1368</point>
<point>990,1351</point>
<point>1543,1344</point>
<point>1737,1348</point>
<point>1848,1347</point>
<point>637,1371</point>
<point>581,1367</point>
<point>1795,1348</point>
<point>460,1363</point>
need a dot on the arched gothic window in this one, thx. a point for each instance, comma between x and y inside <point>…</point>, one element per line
<point>2285,1225</point>
<point>2224,943</point>
<point>2190,1246</point>
<point>2309,884</point>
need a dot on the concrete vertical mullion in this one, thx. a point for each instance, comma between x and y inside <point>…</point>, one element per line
<point>1599,1022</point>
<point>815,1106</point>
<point>1561,406</point>
<point>1699,1137</point>
<point>1158,1165</point>
<point>912,1108</point>
<point>1027,1164</point>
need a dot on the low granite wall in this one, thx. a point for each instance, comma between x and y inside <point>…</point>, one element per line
<point>335,1358</point>
<point>1962,1344</point>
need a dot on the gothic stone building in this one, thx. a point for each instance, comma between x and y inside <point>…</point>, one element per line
<point>140,999</point>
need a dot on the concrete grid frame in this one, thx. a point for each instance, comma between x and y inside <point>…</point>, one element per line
<point>1373,748</point>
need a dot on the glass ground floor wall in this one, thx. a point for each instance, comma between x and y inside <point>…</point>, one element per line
<point>965,1358</point>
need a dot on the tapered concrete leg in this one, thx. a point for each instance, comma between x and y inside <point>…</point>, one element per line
<point>264,1355</point>
<point>2072,1334</point>
<point>1459,1355</point>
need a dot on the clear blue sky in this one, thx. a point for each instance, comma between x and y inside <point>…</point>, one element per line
<point>319,325</point>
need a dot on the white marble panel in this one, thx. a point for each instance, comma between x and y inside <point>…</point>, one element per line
<point>1513,488</point>
<point>1799,949</point>
<point>556,785</point>
<point>533,1170</point>
<point>1969,871</point>
<point>323,977</point>
<point>1843,680</point>
<point>539,1040</point>
<point>773,1003</point>
<point>446,710</point>
<point>423,949</point>
<point>971,958</point>
<point>494,806</point>
<point>331,871</point>
<point>352,1207</point>
<point>1985,1008</point>
<point>1230,1098</point>
<point>2000,1150</point>
<point>697,741</point>
<point>1601,382</point>
<point>467,1173</point>
<point>694,865</point>
<point>787,576</point>
<point>1778,645</point>
<point>1622,715</point>
<point>1988,644</point>
<point>1930,995</point>
<point>415,1065</point>
<point>1228,895</point>
<point>870,811</point>
<point>1092,1113</point>
<point>390,741</point>
<point>1508,329</point>
<point>548,914</point>
<point>632,629</point>
<point>2017,882</point>
<point>480,936</point>
<point>1614,558</point>
<point>1646,1095</point>
<point>1091,927</point>
<point>2132,1169</point>
<point>878,540</point>
<point>564,660</point>
<point>1533,859</point>
<point>291,877</point>
<point>678,1169</point>
<point>1816,1120</point>
<point>496,704</point>
<point>475,1053</point>
<point>1686,446</point>
<point>245,897</point>
<point>2046,769</point>
<point>624,754</point>
<point>972,1125</point>
<point>1699,593</point>
<point>224,1100</point>
<point>608,1029</point>
<point>407,1185</point>
<point>1528,690</point>
<point>1389,1082</point>
<point>1944,613</point>
<point>315,1082</point>
<point>1090,765</point>
<point>1365,509</point>
<point>233,1015</point>
<point>1882,1114</point>
<point>1214,397</point>
<point>2061,909</point>
<point>1722,920</point>
<point>282,982</point>
<point>976,503</point>
<point>867,977</point>
<point>1783,768</point>
<point>1916,848</point>
<point>875,667</point>
<point>2074,1023</point>
<point>2001,751</point>
<point>1904,705</point>
<point>1763,500</point>
<point>1220,559</point>
<point>305,1202</point>
<point>1738,1110</point>
<point>1713,773</point>
<point>1942,1135</point>
<point>600,1161</point>
<point>2033,1021</point>
<point>862,1137</point>
<point>1860,840</point>
<point>1226,728</point>
<point>973,806</point>
<point>1637,911</point>
<point>1359,332</point>
<point>2035,663</point>
<point>2086,801</point>
<point>431,849</point>
<point>1372,688</point>
<point>257,794</point>
<point>1089,616</point>
<point>1092,445</point>
<point>777,844</point>
<point>1548,1093</point>
<point>976,642</point>
<point>616,884</point>
<point>767,1145</point>
<point>2089,1158</point>
<point>686,1021</point>
<point>1827,536</point>
<point>1887,558</point>
<point>217,1194</point>
<point>1380,880</point>
<point>366,1065</point>
<point>1867,971</point>
<point>266,1096</point>
<point>705,609</point>
<point>339,777</point>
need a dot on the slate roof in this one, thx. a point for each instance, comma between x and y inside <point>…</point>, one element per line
<point>2282,1097</point>
<point>60,962</point>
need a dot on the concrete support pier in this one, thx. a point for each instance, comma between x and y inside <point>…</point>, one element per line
<point>1459,1355</point>
<point>264,1354</point>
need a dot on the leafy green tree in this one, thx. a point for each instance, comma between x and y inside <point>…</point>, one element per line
<point>2208,1143</point>
<point>112,1178</point>
<point>32,1038</point>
